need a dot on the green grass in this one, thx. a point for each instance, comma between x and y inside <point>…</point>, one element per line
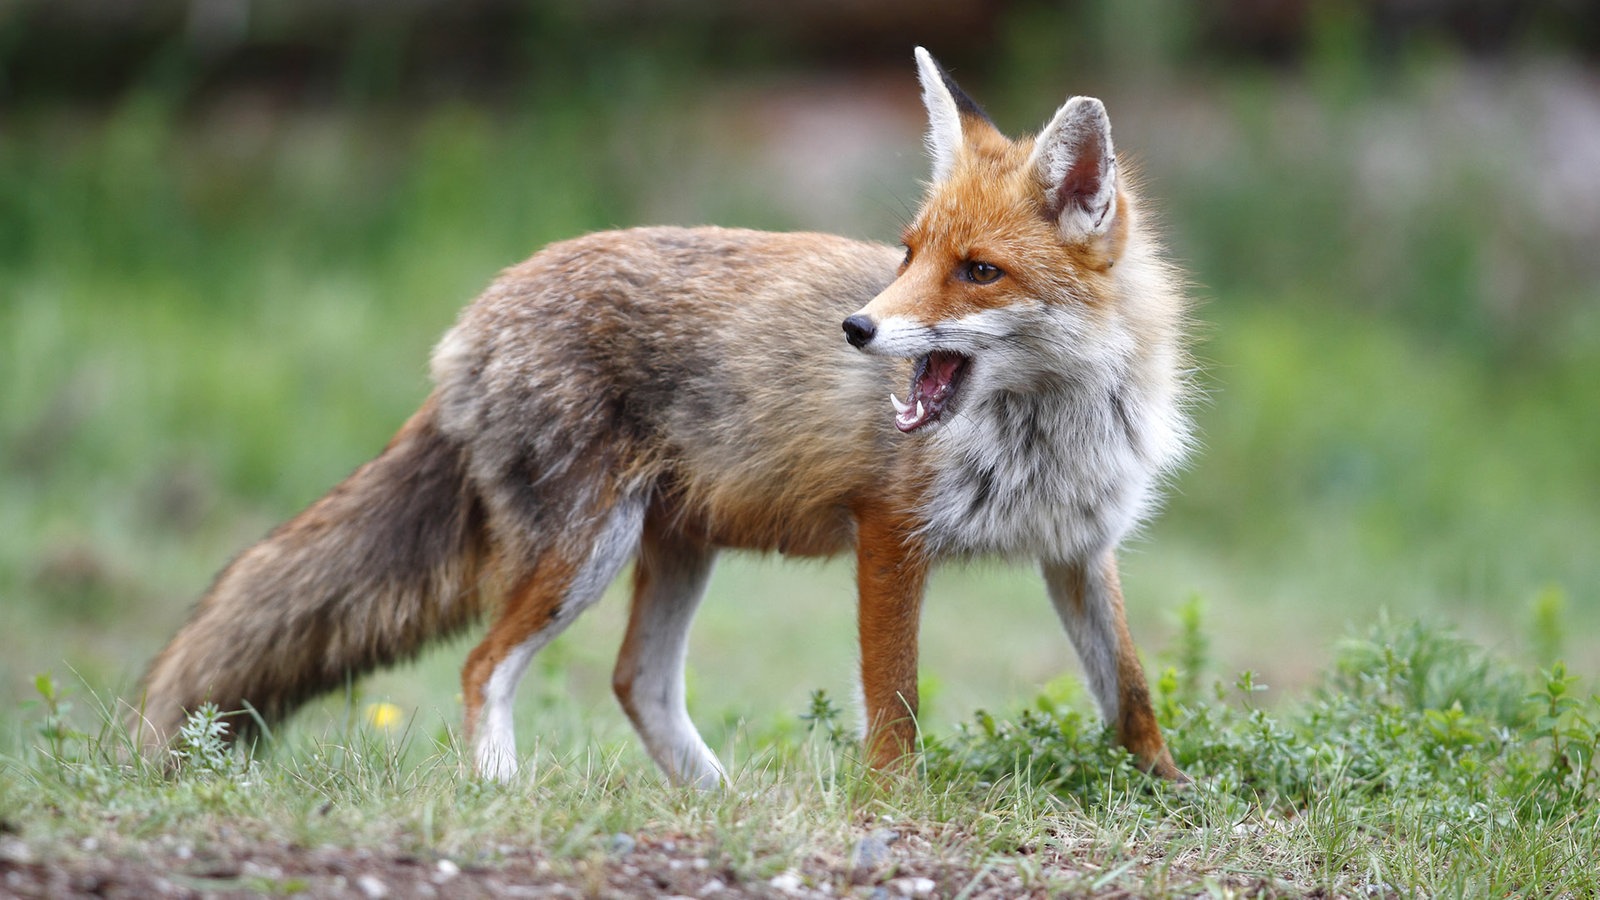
<point>208,318</point>
<point>1420,766</point>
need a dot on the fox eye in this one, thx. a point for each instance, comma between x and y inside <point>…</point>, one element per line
<point>982,272</point>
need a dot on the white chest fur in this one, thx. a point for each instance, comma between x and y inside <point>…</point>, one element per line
<point>1060,472</point>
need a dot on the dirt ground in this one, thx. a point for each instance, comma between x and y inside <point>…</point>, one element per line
<point>882,868</point>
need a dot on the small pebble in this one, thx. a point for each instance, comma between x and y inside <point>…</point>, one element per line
<point>13,850</point>
<point>872,850</point>
<point>788,882</point>
<point>621,844</point>
<point>446,870</point>
<point>372,888</point>
<point>913,887</point>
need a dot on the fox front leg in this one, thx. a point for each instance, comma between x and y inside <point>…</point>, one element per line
<point>891,573</point>
<point>1088,598</point>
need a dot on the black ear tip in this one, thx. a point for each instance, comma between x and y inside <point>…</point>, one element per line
<point>965,105</point>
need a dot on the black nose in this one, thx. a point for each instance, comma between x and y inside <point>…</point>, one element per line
<point>859,331</point>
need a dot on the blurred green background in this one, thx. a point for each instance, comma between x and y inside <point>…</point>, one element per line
<point>231,230</point>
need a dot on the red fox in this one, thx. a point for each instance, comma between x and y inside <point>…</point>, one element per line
<point>661,394</point>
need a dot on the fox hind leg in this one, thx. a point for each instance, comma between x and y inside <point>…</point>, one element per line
<point>668,583</point>
<point>540,605</point>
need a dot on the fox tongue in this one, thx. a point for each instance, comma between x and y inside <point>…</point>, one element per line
<point>936,375</point>
<point>931,387</point>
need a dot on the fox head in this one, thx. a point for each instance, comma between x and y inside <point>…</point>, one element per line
<point>1023,268</point>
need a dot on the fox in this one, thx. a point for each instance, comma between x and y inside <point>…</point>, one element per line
<point>660,395</point>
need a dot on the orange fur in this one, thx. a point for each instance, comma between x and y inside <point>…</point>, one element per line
<point>891,573</point>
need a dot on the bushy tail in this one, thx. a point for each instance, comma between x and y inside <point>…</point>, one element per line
<point>382,564</point>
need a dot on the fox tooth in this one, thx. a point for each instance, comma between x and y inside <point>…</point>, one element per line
<point>900,406</point>
<point>919,409</point>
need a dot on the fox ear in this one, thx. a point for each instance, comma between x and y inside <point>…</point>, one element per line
<point>947,105</point>
<point>1076,162</point>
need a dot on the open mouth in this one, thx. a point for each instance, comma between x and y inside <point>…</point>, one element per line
<point>933,385</point>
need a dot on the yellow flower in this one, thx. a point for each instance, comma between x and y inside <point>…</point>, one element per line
<point>383,715</point>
